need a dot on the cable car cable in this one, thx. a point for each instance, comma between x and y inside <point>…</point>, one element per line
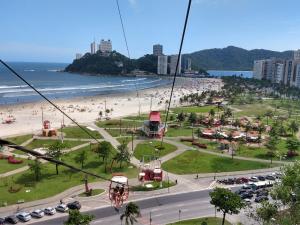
<point>177,64</point>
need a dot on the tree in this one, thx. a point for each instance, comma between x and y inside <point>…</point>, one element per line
<point>248,128</point>
<point>212,112</point>
<point>123,155</point>
<point>272,146</point>
<point>226,201</point>
<point>100,114</point>
<point>269,114</point>
<point>55,151</point>
<point>180,117</point>
<point>130,214</point>
<point>81,157</point>
<point>293,127</point>
<point>266,212</point>
<point>36,168</point>
<point>104,151</point>
<point>192,118</point>
<point>77,218</point>
<point>292,144</point>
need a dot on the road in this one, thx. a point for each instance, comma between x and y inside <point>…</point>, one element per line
<point>164,209</point>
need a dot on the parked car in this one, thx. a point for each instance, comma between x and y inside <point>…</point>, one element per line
<point>37,213</point>
<point>246,195</point>
<point>2,220</point>
<point>247,201</point>
<point>24,216</point>
<point>49,211</point>
<point>261,198</point>
<point>240,191</point>
<point>11,219</point>
<point>254,179</point>
<point>61,208</point>
<point>74,205</point>
<point>261,178</point>
<point>270,177</point>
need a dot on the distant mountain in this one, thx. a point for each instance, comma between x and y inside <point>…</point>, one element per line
<point>232,58</point>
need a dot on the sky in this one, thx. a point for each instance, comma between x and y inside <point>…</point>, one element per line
<point>55,30</point>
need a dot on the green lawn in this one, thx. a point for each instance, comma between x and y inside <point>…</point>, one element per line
<point>46,143</point>
<point>76,132</point>
<point>20,139</point>
<point>126,140</point>
<point>116,132</point>
<point>116,123</point>
<point>181,131</point>
<point>148,149</point>
<point>94,192</point>
<point>208,220</point>
<point>155,184</point>
<point>52,184</point>
<point>5,166</point>
<point>191,162</point>
<point>195,109</point>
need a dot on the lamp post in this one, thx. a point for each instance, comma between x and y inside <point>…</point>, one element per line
<point>150,219</point>
<point>179,214</point>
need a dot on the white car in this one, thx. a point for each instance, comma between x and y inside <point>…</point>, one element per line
<point>37,213</point>
<point>23,216</point>
<point>49,211</point>
<point>61,208</point>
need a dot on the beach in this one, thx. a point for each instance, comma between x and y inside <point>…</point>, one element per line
<point>27,117</point>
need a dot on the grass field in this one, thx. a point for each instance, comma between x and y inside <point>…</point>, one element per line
<point>197,162</point>
<point>148,148</point>
<point>76,132</point>
<point>94,192</point>
<point>5,166</point>
<point>125,140</point>
<point>195,109</point>
<point>20,139</point>
<point>116,132</point>
<point>116,123</point>
<point>208,220</point>
<point>176,132</point>
<point>46,143</point>
<point>52,184</point>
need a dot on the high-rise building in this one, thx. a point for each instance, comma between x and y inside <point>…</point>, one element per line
<point>162,64</point>
<point>297,55</point>
<point>157,49</point>
<point>187,64</point>
<point>105,46</point>
<point>93,47</point>
<point>258,69</point>
<point>78,56</point>
<point>173,64</point>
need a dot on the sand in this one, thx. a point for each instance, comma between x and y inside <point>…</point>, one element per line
<point>85,110</point>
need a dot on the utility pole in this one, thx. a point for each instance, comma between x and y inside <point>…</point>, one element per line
<point>179,215</point>
<point>120,126</point>
<point>42,116</point>
<point>150,220</point>
<point>151,103</point>
<point>105,108</point>
<point>132,142</point>
<point>168,183</point>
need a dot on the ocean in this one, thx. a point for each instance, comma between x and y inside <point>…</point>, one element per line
<point>60,85</point>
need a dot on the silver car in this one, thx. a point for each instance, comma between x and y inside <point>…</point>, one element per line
<point>49,211</point>
<point>23,216</point>
<point>61,208</point>
<point>37,213</point>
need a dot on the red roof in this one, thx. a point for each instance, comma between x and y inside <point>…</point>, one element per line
<point>154,116</point>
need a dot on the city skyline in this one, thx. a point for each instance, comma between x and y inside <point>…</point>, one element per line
<point>36,33</point>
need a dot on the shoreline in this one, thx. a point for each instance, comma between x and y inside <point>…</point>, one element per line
<point>85,110</point>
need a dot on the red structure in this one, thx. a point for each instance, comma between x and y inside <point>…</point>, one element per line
<point>154,127</point>
<point>118,190</point>
<point>151,172</point>
<point>13,160</point>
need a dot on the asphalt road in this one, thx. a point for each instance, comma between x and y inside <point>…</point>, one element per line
<point>164,209</point>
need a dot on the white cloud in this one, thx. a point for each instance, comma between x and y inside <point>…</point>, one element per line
<point>132,2</point>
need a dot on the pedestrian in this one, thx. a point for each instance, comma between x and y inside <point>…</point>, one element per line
<point>197,176</point>
<point>176,181</point>
<point>61,201</point>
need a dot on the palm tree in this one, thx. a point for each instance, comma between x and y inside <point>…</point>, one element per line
<point>272,146</point>
<point>130,214</point>
<point>212,113</point>
<point>269,114</point>
<point>293,127</point>
<point>77,218</point>
<point>123,155</point>
<point>36,168</point>
<point>81,158</point>
<point>55,151</point>
<point>104,151</point>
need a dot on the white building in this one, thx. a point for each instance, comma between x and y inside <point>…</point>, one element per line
<point>162,64</point>
<point>157,49</point>
<point>297,55</point>
<point>279,73</point>
<point>173,63</point>
<point>78,56</point>
<point>93,47</point>
<point>258,69</point>
<point>105,46</point>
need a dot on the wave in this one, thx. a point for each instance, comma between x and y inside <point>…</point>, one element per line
<point>123,81</point>
<point>14,86</point>
<point>29,70</point>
